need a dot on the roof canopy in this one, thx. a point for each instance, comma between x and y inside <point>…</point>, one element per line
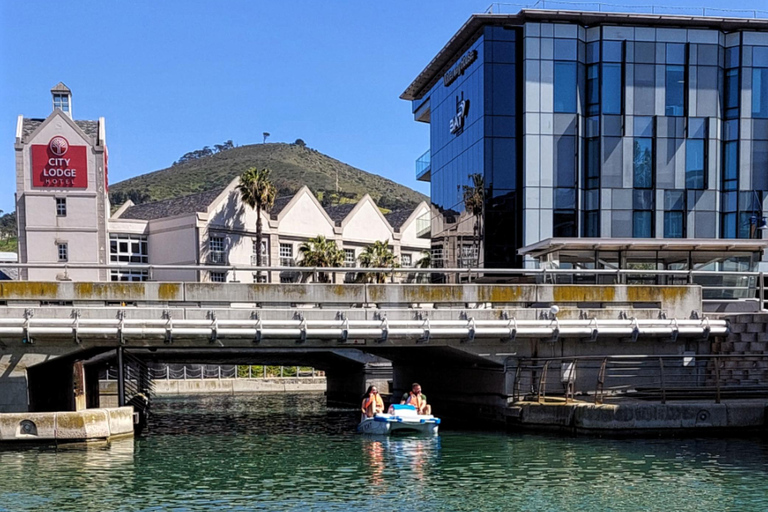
<point>549,245</point>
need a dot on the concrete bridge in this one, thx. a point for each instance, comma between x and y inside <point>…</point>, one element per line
<point>463,343</point>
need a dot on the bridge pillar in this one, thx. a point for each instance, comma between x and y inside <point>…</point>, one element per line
<point>346,385</point>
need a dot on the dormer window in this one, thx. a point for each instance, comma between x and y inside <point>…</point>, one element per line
<point>61,102</point>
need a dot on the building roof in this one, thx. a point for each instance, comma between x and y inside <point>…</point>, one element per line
<point>339,212</point>
<point>185,205</point>
<point>60,87</point>
<point>468,33</point>
<point>91,128</point>
<point>642,244</point>
<point>279,206</point>
<point>397,218</point>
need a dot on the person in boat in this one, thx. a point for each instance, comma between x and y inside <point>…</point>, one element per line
<point>417,399</point>
<point>372,403</point>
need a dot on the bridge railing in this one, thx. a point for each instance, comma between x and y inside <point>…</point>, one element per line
<point>667,377</point>
<point>207,371</point>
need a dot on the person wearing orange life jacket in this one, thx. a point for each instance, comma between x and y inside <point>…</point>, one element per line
<point>372,403</point>
<point>417,399</point>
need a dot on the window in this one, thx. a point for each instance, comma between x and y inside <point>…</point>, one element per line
<point>61,102</point>
<point>264,253</point>
<point>437,257</point>
<point>216,249</point>
<point>643,163</point>
<point>613,92</point>
<point>349,258</point>
<point>406,260</point>
<point>593,90</point>
<point>63,251</point>
<point>218,277</point>
<point>731,93</point>
<point>675,90</point>
<point>730,166</point>
<point>128,249</point>
<point>565,87</point>
<point>674,214</point>
<point>760,92</point>
<point>129,275</point>
<point>286,255</point>
<point>695,176</point>
<point>642,216</point>
<point>61,206</point>
<point>468,256</point>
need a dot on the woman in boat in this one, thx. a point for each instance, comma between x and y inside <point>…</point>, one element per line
<point>372,403</point>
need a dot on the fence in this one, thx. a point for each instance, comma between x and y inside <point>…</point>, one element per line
<point>686,376</point>
<point>514,8</point>
<point>202,371</point>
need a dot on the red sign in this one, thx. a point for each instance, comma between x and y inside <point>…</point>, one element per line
<point>59,165</point>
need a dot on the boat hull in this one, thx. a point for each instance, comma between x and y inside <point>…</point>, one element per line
<point>385,424</point>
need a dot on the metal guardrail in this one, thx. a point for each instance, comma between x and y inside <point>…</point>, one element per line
<point>514,8</point>
<point>201,372</point>
<point>667,377</point>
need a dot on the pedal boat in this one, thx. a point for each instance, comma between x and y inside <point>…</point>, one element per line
<point>400,419</point>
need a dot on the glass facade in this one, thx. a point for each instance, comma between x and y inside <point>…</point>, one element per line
<point>599,131</point>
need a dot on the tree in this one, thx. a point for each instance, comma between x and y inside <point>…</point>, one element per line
<point>256,190</point>
<point>377,255</point>
<point>474,200</point>
<point>266,136</point>
<point>321,252</point>
<point>300,143</point>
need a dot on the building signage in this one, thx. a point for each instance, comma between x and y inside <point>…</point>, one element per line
<point>457,121</point>
<point>458,70</point>
<point>59,165</point>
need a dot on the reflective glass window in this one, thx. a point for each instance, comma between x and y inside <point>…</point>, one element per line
<point>612,89</point>
<point>730,165</point>
<point>732,57</point>
<point>695,178</point>
<point>564,223</point>
<point>642,224</point>
<point>673,224</point>
<point>565,198</point>
<point>612,51</point>
<point>593,52</point>
<point>592,164</point>
<point>643,163</point>
<point>645,52</point>
<point>760,56</point>
<point>728,225</point>
<point>565,161</point>
<point>593,90</point>
<point>643,126</point>
<point>565,49</point>
<point>731,93</point>
<point>565,87</point>
<point>760,92</point>
<point>592,223</point>
<point>675,53</point>
<point>675,90</point>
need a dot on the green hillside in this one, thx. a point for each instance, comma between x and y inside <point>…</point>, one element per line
<point>292,165</point>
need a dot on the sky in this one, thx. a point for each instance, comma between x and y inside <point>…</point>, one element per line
<point>173,76</point>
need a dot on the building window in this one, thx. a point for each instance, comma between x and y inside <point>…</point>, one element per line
<point>468,256</point>
<point>218,277</point>
<point>264,253</point>
<point>406,260</point>
<point>674,214</point>
<point>129,275</point>
<point>642,216</point>
<point>63,251</point>
<point>675,90</point>
<point>695,176</point>
<point>760,92</point>
<point>216,250</point>
<point>593,90</point>
<point>128,249</point>
<point>286,255</point>
<point>731,93</point>
<point>61,102</point>
<point>613,91</point>
<point>349,258</point>
<point>565,87</point>
<point>643,163</point>
<point>437,257</point>
<point>61,206</point>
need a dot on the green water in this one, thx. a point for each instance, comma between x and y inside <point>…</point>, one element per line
<point>290,452</point>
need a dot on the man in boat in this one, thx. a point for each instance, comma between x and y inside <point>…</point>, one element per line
<point>372,403</point>
<point>417,399</point>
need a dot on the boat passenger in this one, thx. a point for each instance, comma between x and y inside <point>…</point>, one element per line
<point>372,403</point>
<point>417,399</point>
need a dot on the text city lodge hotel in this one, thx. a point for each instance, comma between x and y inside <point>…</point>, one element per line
<point>601,140</point>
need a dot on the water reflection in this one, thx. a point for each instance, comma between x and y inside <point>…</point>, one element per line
<point>289,452</point>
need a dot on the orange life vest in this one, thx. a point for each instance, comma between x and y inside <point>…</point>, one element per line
<point>416,401</point>
<point>376,400</point>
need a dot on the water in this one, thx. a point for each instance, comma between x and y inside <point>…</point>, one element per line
<point>289,452</point>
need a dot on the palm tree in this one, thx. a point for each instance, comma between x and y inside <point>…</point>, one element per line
<point>377,255</point>
<point>320,252</point>
<point>257,191</point>
<point>474,200</point>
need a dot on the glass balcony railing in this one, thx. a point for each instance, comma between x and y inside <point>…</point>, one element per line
<point>423,167</point>
<point>424,225</point>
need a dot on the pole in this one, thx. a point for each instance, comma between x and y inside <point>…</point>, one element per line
<point>120,378</point>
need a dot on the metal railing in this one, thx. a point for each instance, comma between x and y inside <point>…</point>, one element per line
<point>201,372</point>
<point>514,8</point>
<point>666,377</point>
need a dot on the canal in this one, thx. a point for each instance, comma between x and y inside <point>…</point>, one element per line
<point>291,452</point>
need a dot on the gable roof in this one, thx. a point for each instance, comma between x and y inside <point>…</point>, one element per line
<point>60,87</point>
<point>397,218</point>
<point>280,204</point>
<point>91,128</point>
<point>185,205</point>
<point>339,212</point>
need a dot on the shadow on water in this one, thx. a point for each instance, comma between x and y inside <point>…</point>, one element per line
<point>290,452</point>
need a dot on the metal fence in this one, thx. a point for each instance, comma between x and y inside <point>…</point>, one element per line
<point>514,8</point>
<point>668,377</point>
<point>206,371</point>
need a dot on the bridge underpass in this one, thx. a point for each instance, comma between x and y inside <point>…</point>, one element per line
<point>461,342</point>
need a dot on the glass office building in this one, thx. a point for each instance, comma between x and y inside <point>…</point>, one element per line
<point>587,125</point>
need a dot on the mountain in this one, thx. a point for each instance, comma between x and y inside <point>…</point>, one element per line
<point>292,165</point>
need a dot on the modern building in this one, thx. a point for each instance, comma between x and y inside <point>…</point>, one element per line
<point>625,131</point>
<point>64,218</point>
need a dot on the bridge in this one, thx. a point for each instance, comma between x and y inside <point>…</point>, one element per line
<point>464,343</point>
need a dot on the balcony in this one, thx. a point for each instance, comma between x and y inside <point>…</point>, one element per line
<point>423,167</point>
<point>217,257</point>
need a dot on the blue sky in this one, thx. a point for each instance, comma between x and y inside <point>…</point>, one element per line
<point>173,76</point>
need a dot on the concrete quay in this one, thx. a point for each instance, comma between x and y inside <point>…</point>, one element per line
<point>66,426</point>
<point>635,417</point>
<point>170,387</point>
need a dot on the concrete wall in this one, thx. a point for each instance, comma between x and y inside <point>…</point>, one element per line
<point>233,386</point>
<point>87,425</point>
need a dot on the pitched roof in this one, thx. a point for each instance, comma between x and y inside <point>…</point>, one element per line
<point>172,207</point>
<point>397,218</point>
<point>60,87</point>
<point>339,212</point>
<point>91,128</point>
<point>279,206</point>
